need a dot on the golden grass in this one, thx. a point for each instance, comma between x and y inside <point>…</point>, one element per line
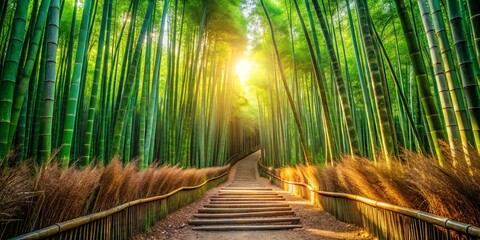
<point>411,180</point>
<point>35,197</point>
<point>15,192</point>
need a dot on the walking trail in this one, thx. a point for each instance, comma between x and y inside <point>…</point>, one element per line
<point>249,207</point>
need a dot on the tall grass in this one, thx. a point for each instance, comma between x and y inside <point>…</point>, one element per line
<point>411,180</point>
<point>35,197</point>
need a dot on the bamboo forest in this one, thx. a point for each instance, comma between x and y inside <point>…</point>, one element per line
<point>239,119</point>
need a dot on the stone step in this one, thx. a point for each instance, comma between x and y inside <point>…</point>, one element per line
<point>243,221</point>
<point>240,215</point>
<point>245,184</point>
<point>251,205</point>
<point>247,199</point>
<point>245,196</point>
<point>228,203</point>
<point>246,188</point>
<point>245,205</point>
<point>229,192</point>
<point>246,227</point>
<point>243,210</point>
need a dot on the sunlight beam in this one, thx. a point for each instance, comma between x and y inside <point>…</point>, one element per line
<point>243,69</point>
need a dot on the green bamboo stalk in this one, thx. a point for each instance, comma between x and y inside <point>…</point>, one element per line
<point>107,88</point>
<point>453,132</point>
<point>59,86</point>
<point>305,149</point>
<point>39,79</point>
<point>9,74</point>
<point>22,131</point>
<point>363,81</point>
<point>142,158</point>
<point>50,80</point>
<point>423,86</point>
<point>68,75</point>
<point>153,103</point>
<point>346,109</point>
<point>131,109</point>
<point>474,10</point>
<point>470,84</point>
<point>127,58</point>
<point>386,139</point>
<point>315,41</point>
<point>456,92</point>
<point>127,91</point>
<point>22,85</point>
<point>73,95</point>
<point>3,13</point>
<point>464,14</point>
<point>87,153</point>
<point>403,123</point>
<point>403,101</point>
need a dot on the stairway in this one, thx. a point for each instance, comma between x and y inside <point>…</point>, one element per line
<point>245,205</point>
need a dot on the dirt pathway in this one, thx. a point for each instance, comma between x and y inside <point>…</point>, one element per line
<point>317,224</point>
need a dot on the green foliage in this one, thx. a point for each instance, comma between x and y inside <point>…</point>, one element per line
<point>415,84</point>
<point>183,105</point>
<point>93,106</point>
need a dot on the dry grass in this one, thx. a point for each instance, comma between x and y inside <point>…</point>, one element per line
<point>35,197</point>
<point>62,194</point>
<point>15,192</point>
<point>411,180</point>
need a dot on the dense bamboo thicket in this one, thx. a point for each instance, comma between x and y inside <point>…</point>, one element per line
<point>384,94</point>
<point>87,81</point>
<point>365,77</point>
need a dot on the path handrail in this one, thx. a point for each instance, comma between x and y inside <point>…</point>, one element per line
<point>446,223</point>
<point>73,223</point>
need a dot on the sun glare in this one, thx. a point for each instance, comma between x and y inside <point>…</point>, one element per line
<point>243,69</point>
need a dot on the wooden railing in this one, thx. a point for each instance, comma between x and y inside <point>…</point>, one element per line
<point>127,219</point>
<point>130,218</point>
<point>382,220</point>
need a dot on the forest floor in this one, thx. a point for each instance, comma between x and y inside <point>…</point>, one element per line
<point>317,223</point>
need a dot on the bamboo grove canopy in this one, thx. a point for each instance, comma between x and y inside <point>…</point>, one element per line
<point>366,77</point>
<point>90,80</point>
